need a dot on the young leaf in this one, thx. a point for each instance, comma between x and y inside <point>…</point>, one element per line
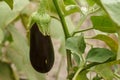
<point>99,55</point>
<point>70,7</point>
<point>76,44</point>
<point>104,23</point>
<point>109,41</point>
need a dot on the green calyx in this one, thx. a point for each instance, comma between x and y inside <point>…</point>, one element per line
<point>42,20</point>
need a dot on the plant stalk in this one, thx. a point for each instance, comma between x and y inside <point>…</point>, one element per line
<point>81,31</point>
<point>66,32</point>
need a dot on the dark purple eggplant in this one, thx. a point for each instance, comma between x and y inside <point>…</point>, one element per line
<point>41,50</point>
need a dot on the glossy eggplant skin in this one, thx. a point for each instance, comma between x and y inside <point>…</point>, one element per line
<point>41,50</point>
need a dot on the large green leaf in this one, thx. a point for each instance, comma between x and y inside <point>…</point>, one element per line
<point>112,7</point>
<point>104,71</point>
<point>7,15</point>
<point>109,41</point>
<point>5,72</point>
<point>18,53</point>
<point>104,23</point>
<point>99,55</point>
<point>76,44</point>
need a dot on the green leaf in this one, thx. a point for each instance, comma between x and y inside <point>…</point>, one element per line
<point>104,23</point>
<point>7,36</point>
<point>77,59</point>
<point>69,2</point>
<point>56,32</point>
<point>5,71</point>
<point>82,76</point>
<point>97,78</point>
<point>98,2</point>
<point>51,9</point>
<point>112,7</point>
<point>76,44</point>
<point>99,55</point>
<point>109,41</point>
<point>10,3</point>
<point>90,2</point>
<point>69,9</point>
<point>1,35</point>
<point>104,71</point>
<point>7,15</point>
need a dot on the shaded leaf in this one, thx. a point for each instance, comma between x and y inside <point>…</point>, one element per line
<point>97,78</point>
<point>76,58</point>
<point>82,76</point>
<point>103,23</point>
<point>0,51</point>
<point>76,44</point>
<point>51,9</point>
<point>10,3</point>
<point>69,2</point>
<point>98,2</point>
<point>1,35</point>
<point>99,55</point>
<point>109,41</point>
<point>7,36</point>
<point>5,71</point>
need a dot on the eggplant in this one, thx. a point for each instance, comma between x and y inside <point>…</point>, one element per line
<point>41,50</point>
